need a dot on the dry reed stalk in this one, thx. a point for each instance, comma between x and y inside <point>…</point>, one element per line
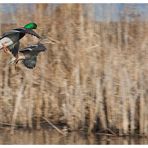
<point>109,94</point>
<point>124,101</point>
<point>46,105</point>
<point>17,105</point>
<point>30,93</point>
<point>131,105</point>
<point>142,107</point>
<point>38,112</point>
<point>99,103</point>
<point>57,129</point>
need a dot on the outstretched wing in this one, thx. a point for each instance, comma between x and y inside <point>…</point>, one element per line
<point>18,33</point>
<point>11,32</point>
<point>33,49</point>
<point>26,50</point>
<point>27,31</point>
<point>14,35</point>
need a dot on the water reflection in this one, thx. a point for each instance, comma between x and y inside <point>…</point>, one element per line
<point>49,136</point>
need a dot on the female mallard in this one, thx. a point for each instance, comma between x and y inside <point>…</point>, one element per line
<point>10,39</point>
<point>30,53</point>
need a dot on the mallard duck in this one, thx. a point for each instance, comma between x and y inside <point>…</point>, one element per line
<point>29,55</point>
<point>10,40</point>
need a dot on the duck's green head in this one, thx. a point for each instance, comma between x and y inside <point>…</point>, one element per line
<point>31,26</point>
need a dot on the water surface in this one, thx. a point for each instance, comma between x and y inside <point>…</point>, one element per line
<point>50,136</point>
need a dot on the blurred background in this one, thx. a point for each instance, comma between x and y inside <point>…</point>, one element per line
<point>93,76</point>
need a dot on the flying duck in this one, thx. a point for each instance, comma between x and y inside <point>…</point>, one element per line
<point>10,40</point>
<point>29,55</point>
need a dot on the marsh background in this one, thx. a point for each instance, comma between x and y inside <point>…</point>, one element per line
<point>92,78</point>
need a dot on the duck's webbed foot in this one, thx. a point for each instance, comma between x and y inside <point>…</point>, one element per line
<point>6,49</point>
<point>14,60</point>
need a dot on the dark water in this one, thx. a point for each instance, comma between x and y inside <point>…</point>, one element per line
<point>48,136</point>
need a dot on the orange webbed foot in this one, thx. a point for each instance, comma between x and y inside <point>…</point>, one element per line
<point>5,48</point>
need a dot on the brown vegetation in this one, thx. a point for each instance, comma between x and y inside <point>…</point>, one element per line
<point>92,77</point>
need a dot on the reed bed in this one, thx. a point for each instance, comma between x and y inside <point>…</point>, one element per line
<point>93,77</point>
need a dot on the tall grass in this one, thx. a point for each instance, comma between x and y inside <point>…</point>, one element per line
<point>93,76</point>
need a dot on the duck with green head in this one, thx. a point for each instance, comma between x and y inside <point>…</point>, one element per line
<point>10,40</point>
